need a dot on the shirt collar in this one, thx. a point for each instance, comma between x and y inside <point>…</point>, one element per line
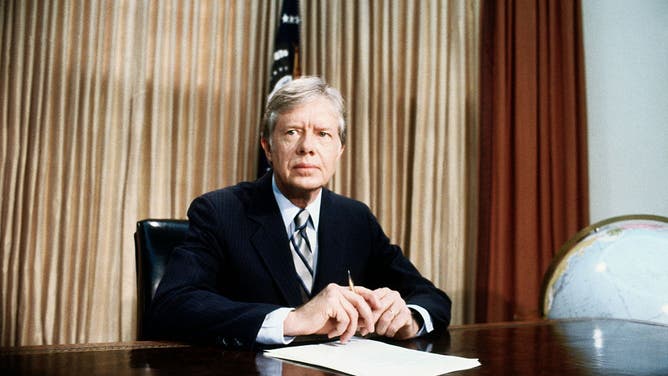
<point>290,210</point>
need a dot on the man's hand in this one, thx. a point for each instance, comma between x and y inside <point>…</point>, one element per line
<point>335,311</point>
<point>393,319</point>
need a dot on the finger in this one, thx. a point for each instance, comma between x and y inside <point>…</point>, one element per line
<point>348,330</point>
<point>370,296</point>
<point>344,316</point>
<point>339,322</point>
<point>393,304</point>
<point>366,319</point>
<point>384,321</point>
<point>386,298</point>
<point>382,292</point>
<point>399,321</point>
<point>336,320</point>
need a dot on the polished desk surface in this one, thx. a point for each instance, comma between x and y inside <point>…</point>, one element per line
<point>573,347</point>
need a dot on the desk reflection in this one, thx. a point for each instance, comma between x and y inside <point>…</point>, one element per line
<point>205,360</point>
<point>573,347</point>
<point>274,367</point>
<point>564,347</point>
<point>618,347</point>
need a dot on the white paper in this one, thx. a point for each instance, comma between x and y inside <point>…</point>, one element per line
<point>361,356</point>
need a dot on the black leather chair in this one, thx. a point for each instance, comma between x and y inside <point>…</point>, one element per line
<point>154,241</point>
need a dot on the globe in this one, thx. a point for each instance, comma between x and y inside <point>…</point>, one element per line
<point>617,268</point>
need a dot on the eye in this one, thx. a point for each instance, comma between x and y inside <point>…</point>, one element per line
<point>290,132</point>
<point>324,134</point>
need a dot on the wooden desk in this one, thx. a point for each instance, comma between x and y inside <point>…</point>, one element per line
<point>581,347</point>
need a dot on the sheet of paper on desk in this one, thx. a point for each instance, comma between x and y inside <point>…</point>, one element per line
<point>368,357</point>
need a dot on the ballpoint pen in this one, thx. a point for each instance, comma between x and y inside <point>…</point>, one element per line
<point>350,282</point>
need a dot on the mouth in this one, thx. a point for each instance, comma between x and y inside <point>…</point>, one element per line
<point>305,166</point>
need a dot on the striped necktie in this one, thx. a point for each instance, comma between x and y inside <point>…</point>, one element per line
<point>302,253</point>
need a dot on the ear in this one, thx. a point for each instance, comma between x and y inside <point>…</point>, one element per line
<point>343,148</point>
<point>267,148</point>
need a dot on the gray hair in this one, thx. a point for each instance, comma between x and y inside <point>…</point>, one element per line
<point>297,92</point>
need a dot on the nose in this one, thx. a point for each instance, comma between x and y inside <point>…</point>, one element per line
<point>307,143</point>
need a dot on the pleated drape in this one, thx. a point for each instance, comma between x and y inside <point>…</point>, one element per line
<point>408,70</point>
<point>115,111</point>
<point>533,170</point>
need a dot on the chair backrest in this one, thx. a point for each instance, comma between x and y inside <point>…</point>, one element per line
<point>154,241</point>
<point>616,268</point>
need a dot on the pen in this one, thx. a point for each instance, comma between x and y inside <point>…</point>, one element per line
<point>350,282</point>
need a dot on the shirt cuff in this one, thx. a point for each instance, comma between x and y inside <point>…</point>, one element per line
<point>427,324</point>
<point>271,331</point>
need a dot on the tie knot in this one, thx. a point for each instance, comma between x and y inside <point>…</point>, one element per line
<point>301,219</point>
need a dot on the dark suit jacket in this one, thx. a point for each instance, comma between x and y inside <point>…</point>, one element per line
<point>235,265</point>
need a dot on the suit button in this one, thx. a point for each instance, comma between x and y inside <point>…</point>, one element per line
<point>237,343</point>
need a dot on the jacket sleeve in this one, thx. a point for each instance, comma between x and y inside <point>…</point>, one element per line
<point>188,304</point>
<point>393,270</point>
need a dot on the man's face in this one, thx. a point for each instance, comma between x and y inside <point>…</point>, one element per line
<point>305,148</point>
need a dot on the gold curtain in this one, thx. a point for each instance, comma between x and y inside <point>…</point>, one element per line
<point>408,70</point>
<point>114,111</point>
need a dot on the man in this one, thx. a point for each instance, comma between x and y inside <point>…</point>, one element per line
<point>269,260</point>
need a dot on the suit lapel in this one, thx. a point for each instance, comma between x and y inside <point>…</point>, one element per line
<point>271,241</point>
<point>332,257</point>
